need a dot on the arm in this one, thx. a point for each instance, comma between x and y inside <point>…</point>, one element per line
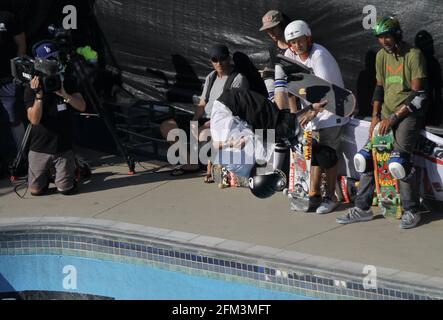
<point>314,109</point>
<point>377,103</point>
<point>404,110</point>
<point>35,112</point>
<point>293,106</point>
<point>20,41</point>
<point>413,104</point>
<point>200,110</point>
<point>75,100</point>
<point>202,104</point>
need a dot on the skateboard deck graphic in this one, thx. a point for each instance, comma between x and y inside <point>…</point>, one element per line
<point>226,179</point>
<point>387,188</point>
<point>346,189</point>
<point>305,85</point>
<point>299,174</point>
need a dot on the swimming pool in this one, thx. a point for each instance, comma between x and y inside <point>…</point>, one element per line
<point>114,280</point>
<point>104,262</point>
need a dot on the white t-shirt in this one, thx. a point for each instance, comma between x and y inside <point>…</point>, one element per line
<point>324,66</point>
<point>224,127</point>
<point>217,89</point>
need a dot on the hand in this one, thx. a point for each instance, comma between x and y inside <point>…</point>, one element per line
<point>307,117</point>
<point>35,86</point>
<point>319,105</point>
<point>267,73</point>
<point>385,126</point>
<point>239,143</point>
<point>374,122</point>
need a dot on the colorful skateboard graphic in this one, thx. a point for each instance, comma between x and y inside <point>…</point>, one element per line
<point>387,188</point>
<point>226,179</point>
<point>299,174</point>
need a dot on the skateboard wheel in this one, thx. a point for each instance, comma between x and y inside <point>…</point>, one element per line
<point>389,146</point>
<point>375,201</point>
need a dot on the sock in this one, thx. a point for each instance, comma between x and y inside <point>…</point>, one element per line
<point>18,132</point>
<point>269,83</point>
<point>281,83</point>
<point>280,152</point>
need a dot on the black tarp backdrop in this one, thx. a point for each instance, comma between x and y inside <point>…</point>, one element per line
<point>161,46</point>
<point>150,35</point>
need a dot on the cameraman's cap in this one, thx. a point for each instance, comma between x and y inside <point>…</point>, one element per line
<point>271,19</point>
<point>46,50</point>
<point>219,51</point>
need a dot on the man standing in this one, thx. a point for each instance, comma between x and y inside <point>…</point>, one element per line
<point>399,104</point>
<point>51,134</point>
<point>326,126</point>
<point>12,44</point>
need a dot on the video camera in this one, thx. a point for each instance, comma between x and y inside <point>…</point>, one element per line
<point>23,69</point>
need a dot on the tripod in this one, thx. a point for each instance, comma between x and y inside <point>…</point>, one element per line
<point>91,96</point>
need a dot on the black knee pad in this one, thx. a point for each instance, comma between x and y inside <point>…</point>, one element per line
<point>323,156</point>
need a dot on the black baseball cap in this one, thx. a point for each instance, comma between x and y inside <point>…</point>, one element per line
<point>219,51</point>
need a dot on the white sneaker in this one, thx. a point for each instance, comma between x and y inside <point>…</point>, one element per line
<point>327,205</point>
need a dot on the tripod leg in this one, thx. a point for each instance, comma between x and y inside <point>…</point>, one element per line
<point>93,99</point>
<point>14,167</point>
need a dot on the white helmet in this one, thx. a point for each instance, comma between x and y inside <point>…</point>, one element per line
<point>297,29</point>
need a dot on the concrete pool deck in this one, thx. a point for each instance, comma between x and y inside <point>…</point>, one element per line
<point>189,210</point>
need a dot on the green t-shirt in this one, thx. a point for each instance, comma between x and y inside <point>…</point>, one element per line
<point>396,73</point>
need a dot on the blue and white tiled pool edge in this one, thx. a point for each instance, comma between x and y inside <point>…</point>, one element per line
<point>265,267</point>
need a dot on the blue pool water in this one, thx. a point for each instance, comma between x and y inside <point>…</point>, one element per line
<point>120,280</point>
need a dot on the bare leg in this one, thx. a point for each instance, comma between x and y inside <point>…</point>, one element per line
<point>331,178</point>
<point>315,181</point>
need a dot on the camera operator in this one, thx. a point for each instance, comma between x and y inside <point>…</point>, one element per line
<point>51,135</point>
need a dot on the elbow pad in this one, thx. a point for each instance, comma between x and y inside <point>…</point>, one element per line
<point>416,101</point>
<point>379,94</point>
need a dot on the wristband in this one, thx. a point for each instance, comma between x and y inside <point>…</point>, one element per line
<point>393,118</point>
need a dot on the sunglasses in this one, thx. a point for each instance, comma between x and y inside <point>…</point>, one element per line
<point>220,59</point>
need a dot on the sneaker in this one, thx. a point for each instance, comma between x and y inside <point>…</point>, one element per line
<point>327,205</point>
<point>410,219</point>
<point>356,215</point>
<point>314,203</point>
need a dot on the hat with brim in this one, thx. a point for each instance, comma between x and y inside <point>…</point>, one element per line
<point>219,51</point>
<point>46,50</point>
<point>271,19</point>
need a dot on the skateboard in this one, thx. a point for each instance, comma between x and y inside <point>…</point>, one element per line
<point>299,174</point>
<point>305,85</point>
<point>346,189</point>
<point>386,187</point>
<point>226,179</point>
